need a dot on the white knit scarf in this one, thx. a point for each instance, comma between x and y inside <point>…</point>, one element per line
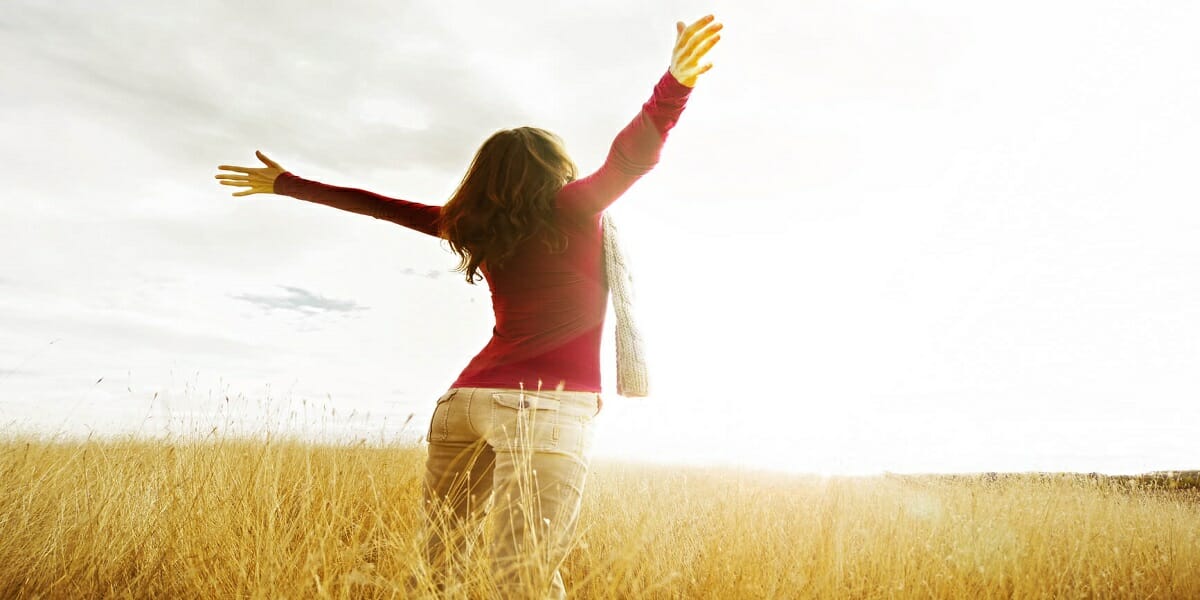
<point>631,359</point>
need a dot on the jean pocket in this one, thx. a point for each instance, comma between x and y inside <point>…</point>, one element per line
<point>521,420</point>
<point>439,423</point>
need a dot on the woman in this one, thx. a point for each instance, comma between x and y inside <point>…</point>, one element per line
<point>516,426</point>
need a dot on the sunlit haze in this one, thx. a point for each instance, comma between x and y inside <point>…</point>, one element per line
<point>912,237</point>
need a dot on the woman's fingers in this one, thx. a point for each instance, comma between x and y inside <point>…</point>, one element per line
<point>695,34</point>
<point>701,22</point>
<point>692,47</point>
<point>691,44</point>
<point>696,40</point>
<point>704,48</point>
<point>267,161</point>
<point>259,180</point>
<point>701,37</point>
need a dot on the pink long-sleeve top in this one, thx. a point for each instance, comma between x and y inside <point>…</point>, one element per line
<point>549,308</point>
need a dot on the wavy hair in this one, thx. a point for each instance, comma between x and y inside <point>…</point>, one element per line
<point>506,198</point>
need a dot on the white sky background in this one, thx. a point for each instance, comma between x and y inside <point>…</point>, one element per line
<point>919,236</point>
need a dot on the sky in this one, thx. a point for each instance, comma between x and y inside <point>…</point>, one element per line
<point>925,236</point>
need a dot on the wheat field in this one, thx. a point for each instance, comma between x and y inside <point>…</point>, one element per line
<point>283,518</point>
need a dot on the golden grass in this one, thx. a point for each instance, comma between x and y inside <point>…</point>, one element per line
<point>282,518</point>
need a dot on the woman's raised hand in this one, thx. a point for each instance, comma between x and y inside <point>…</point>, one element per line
<point>691,44</point>
<point>260,180</point>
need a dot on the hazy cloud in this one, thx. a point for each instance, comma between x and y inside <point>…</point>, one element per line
<point>348,87</point>
<point>430,274</point>
<point>302,301</point>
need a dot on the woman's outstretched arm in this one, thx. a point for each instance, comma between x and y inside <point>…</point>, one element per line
<point>637,147</point>
<point>274,179</point>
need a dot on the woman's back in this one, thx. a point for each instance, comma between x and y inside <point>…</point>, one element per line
<point>549,310</point>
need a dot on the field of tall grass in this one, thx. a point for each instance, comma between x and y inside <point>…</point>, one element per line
<point>280,518</point>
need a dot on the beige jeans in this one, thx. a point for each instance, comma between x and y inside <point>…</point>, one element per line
<point>521,457</point>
